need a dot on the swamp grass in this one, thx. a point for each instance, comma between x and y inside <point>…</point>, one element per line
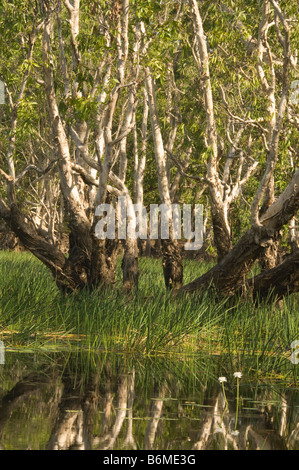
<point>34,314</point>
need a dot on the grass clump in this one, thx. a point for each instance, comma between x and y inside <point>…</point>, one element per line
<point>34,313</point>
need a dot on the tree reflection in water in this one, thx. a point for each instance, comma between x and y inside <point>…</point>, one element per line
<point>113,403</point>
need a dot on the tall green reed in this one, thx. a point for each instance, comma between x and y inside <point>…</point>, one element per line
<point>149,321</point>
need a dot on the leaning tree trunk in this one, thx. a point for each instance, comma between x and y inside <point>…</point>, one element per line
<point>277,282</point>
<point>228,276</point>
<point>67,273</point>
<point>270,257</point>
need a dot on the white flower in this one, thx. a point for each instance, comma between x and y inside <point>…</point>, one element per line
<point>235,433</point>
<point>218,429</point>
<point>237,375</point>
<point>222,379</point>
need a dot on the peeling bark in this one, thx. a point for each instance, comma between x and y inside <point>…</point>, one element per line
<point>172,262</point>
<point>230,274</point>
<point>277,282</point>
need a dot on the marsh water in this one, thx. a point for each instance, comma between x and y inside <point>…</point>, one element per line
<point>99,401</point>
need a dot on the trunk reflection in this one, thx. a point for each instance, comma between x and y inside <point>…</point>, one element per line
<point>112,403</point>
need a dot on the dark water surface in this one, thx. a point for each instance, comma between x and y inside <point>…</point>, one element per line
<point>112,402</point>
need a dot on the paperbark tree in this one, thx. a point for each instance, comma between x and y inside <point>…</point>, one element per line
<point>83,175</point>
<point>229,276</point>
<point>125,112</point>
<point>223,191</point>
<point>172,261</point>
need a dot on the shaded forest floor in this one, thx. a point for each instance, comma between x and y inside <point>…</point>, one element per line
<point>35,315</point>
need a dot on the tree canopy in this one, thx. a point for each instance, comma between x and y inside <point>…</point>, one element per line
<point>172,102</point>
